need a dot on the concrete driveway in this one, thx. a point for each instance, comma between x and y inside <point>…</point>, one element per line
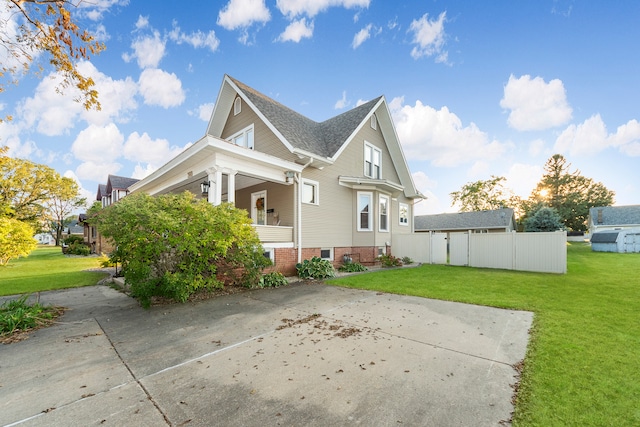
<point>302,355</point>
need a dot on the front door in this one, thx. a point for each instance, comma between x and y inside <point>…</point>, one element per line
<point>259,207</point>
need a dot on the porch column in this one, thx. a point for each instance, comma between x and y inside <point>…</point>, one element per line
<point>214,175</point>
<point>231,186</point>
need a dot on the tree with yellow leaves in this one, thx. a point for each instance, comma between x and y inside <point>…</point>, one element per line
<point>33,32</point>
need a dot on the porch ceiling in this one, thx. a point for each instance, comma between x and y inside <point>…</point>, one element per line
<point>187,170</point>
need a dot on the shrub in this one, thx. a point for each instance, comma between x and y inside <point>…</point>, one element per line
<point>315,268</point>
<point>173,245</point>
<point>78,249</point>
<point>70,240</point>
<point>390,261</point>
<point>273,280</point>
<point>352,267</point>
<point>407,260</point>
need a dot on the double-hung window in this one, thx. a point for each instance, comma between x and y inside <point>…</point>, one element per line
<point>403,214</point>
<point>244,138</point>
<point>372,161</point>
<point>383,212</point>
<point>365,211</point>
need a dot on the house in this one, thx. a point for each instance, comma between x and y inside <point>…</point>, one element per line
<point>613,218</point>
<point>115,189</point>
<point>45,239</point>
<point>490,221</point>
<point>328,189</point>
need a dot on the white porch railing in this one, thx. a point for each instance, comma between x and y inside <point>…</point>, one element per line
<point>274,233</point>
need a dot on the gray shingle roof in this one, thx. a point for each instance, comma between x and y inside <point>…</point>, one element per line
<point>119,183</point>
<point>499,218</point>
<point>102,191</point>
<point>604,237</point>
<point>616,215</point>
<point>323,139</point>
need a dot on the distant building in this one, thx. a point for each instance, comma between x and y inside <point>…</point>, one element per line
<point>490,221</point>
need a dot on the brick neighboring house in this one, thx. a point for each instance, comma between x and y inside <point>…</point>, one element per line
<point>115,189</point>
<point>328,189</point>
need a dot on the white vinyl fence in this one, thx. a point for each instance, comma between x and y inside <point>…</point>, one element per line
<point>541,252</point>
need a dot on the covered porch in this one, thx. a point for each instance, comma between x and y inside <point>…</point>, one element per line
<point>264,185</point>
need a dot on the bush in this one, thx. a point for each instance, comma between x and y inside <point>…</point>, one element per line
<point>389,261</point>
<point>273,280</point>
<point>315,268</point>
<point>407,260</point>
<point>16,239</point>
<point>70,240</point>
<point>173,245</point>
<point>352,267</point>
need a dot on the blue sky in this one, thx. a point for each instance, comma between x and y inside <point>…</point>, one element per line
<point>475,88</point>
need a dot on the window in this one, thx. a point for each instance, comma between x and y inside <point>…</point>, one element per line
<point>365,222</point>
<point>383,212</point>
<point>269,253</point>
<point>326,254</point>
<point>244,138</point>
<point>403,214</point>
<point>372,161</point>
<point>374,123</point>
<point>310,192</point>
<point>237,106</point>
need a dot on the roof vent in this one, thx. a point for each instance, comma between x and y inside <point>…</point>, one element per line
<point>599,216</point>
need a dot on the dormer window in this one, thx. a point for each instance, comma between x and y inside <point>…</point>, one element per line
<point>237,106</point>
<point>374,123</point>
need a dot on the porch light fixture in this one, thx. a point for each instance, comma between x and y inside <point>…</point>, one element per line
<point>204,186</point>
<point>289,176</point>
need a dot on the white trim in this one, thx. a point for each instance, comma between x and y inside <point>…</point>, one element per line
<point>358,218</point>
<point>330,253</point>
<point>388,203</point>
<point>255,196</point>
<point>374,122</point>
<point>316,186</point>
<point>237,106</point>
<point>272,253</point>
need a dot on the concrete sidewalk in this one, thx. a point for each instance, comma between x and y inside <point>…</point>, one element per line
<point>305,354</point>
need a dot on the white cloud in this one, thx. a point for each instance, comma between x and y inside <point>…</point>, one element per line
<point>535,104</point>
<point>522,178</point>
<point>197,39</point>
<point>141,148</point>
<point>142,22</point>
<point>148,51</point>
<point>98,144</point>
<point>296,31</point>
<point>203,112</point>
<point>160,88</point>
<point>439,136</point>
<point>294,8</point>
<point>98,147</point>
<point>95,9</point>
<point>361,36</point>
<point>591,137</point>
<point>342,102</point>
<point>429,37</point>
<point>426,186</point>
<point>140,172</point>
<point>243,13</point>
<point>52,113</point>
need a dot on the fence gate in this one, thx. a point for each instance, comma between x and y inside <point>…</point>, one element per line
<point>439,248</point>
<point>459,248</point>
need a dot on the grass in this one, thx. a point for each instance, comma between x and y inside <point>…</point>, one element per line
<point>582,366</point>
<point>47,269</point>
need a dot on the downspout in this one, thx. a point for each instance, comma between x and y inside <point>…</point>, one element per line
<point>298,190</point>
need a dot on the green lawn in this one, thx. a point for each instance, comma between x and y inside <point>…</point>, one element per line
<point>45,269</point>
<point>583,361</point>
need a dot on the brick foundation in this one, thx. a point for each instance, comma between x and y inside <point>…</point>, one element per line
<point>287,258</point>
